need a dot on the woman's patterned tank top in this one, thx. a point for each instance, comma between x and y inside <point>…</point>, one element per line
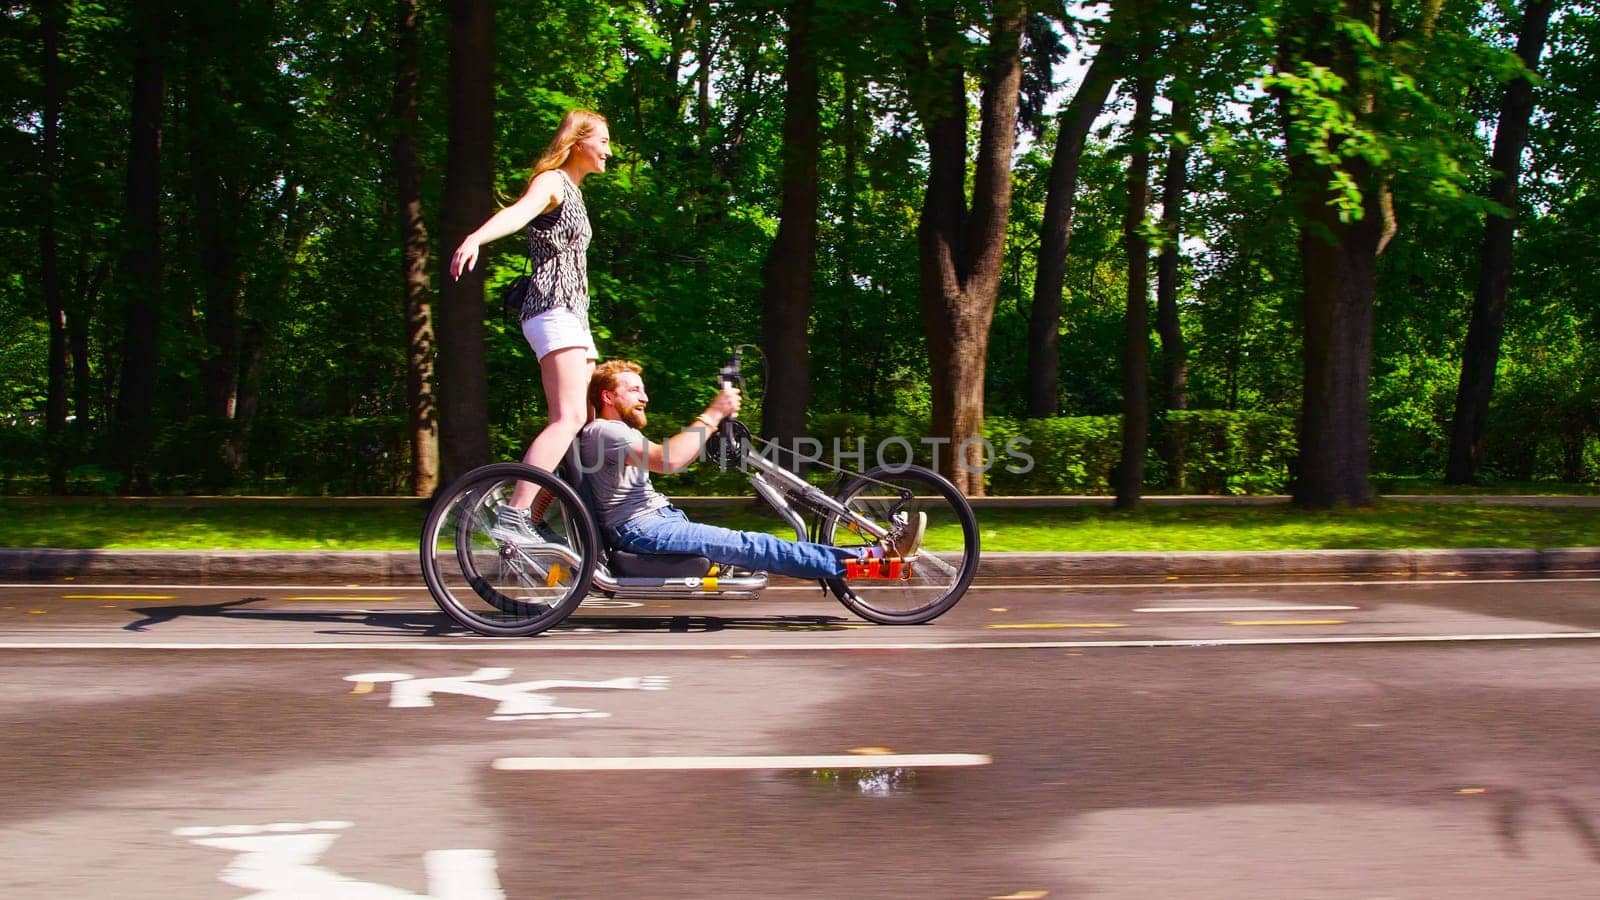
<point>558,242</point>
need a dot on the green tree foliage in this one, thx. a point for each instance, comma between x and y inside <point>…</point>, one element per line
<point>280,278</point>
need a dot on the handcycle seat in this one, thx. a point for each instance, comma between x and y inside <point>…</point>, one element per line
<point>658,565</point>
<point>622,563</point>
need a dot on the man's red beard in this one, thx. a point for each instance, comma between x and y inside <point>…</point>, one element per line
<point>633,416</point>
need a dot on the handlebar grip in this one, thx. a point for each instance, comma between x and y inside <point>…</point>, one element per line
<point>730,374</point>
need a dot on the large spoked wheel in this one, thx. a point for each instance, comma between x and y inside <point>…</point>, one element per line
<point>515,584</point>
<point>941,572</point>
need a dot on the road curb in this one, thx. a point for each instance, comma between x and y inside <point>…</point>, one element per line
<point>402,567</point>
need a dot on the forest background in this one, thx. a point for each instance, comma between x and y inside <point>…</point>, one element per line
<point>1239,247</point>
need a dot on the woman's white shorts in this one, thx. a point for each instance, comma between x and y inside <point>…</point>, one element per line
<point>558,329</point>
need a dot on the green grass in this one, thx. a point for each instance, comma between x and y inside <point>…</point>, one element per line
<point>213,525</point>
<point>246,524</point>
<point>1389,526</point>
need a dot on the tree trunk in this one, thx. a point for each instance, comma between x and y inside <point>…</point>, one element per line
<point>1055,232</point>
<point>702,78</point>
<point>850,178</point>
<point>1481,356</point>
<point>961,254</point>
<point>1174,355</point>
<point>791,261</point>
<point>420,399</point>
<point>79,312</point>
<point>55,419</point>
<point>1136,336</point>
<point>217,209</point>
<point>1339,288</point>
<point>141,262</point>
<point>1339,280</point>
<point>296,225</point>
<point>463,379</point>
<point>252,350</point>
<point>1175,186</point>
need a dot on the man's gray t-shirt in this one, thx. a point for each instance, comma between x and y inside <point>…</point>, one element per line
<point>620,491</point>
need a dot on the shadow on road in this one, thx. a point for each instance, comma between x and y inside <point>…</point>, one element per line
<point>160,615</point>
<point>410,622</point>
<point>434,624</point>
<point>703,623</point>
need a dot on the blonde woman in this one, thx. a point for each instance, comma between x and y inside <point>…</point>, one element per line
<point>555,315</point>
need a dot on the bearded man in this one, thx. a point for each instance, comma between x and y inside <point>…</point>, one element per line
<point>618,459</point>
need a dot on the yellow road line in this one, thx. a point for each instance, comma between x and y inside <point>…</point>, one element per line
<point>1288,622</point>
<point>1061,625</point>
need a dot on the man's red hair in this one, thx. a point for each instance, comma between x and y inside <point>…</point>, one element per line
<point>605,379</point>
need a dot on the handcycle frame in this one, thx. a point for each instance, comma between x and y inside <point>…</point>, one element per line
<point>789,488</point>
<point>853,513</point>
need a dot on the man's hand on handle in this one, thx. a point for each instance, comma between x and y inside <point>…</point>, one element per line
<point>726,405</point>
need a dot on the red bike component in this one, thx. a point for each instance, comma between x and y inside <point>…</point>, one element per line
<point>891,568</point>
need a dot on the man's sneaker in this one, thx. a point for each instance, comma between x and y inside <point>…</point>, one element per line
<point>910,539</point>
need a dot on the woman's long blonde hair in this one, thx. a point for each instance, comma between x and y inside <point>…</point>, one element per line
<point>575,126</point>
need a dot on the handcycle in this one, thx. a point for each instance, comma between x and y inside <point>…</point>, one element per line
<point>507,588</point>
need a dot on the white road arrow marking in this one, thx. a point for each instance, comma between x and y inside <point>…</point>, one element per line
<point>283,867</point>
<point>517,701</point>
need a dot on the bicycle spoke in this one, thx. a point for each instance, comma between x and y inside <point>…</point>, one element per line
<point>937,562</point>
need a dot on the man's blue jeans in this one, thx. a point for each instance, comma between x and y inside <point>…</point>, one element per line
<point>668,530</point>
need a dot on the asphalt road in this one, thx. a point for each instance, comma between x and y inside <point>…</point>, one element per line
<point>1229,739</point>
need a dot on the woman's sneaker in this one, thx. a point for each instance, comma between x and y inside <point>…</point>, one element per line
<point>515,524</point>
<point>911,532</point>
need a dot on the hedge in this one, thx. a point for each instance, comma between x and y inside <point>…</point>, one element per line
<point>1190,451</point>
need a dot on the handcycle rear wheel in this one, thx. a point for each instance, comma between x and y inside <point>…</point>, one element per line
<point>940,575</point>
<point>504,587</point>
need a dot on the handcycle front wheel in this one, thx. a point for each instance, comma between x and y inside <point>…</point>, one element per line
<point>942,571</point>
<point>503,585</point>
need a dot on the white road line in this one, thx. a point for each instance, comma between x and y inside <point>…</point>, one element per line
<point>363,597</point>
<point>108,586</point>
<point>1351,581</point>
<point>474,644</point>
<point>1355,580</point>
<point>681,763</point>
<point>1243,601</point>
<point>279,612</point>
<point>1229,609</point>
